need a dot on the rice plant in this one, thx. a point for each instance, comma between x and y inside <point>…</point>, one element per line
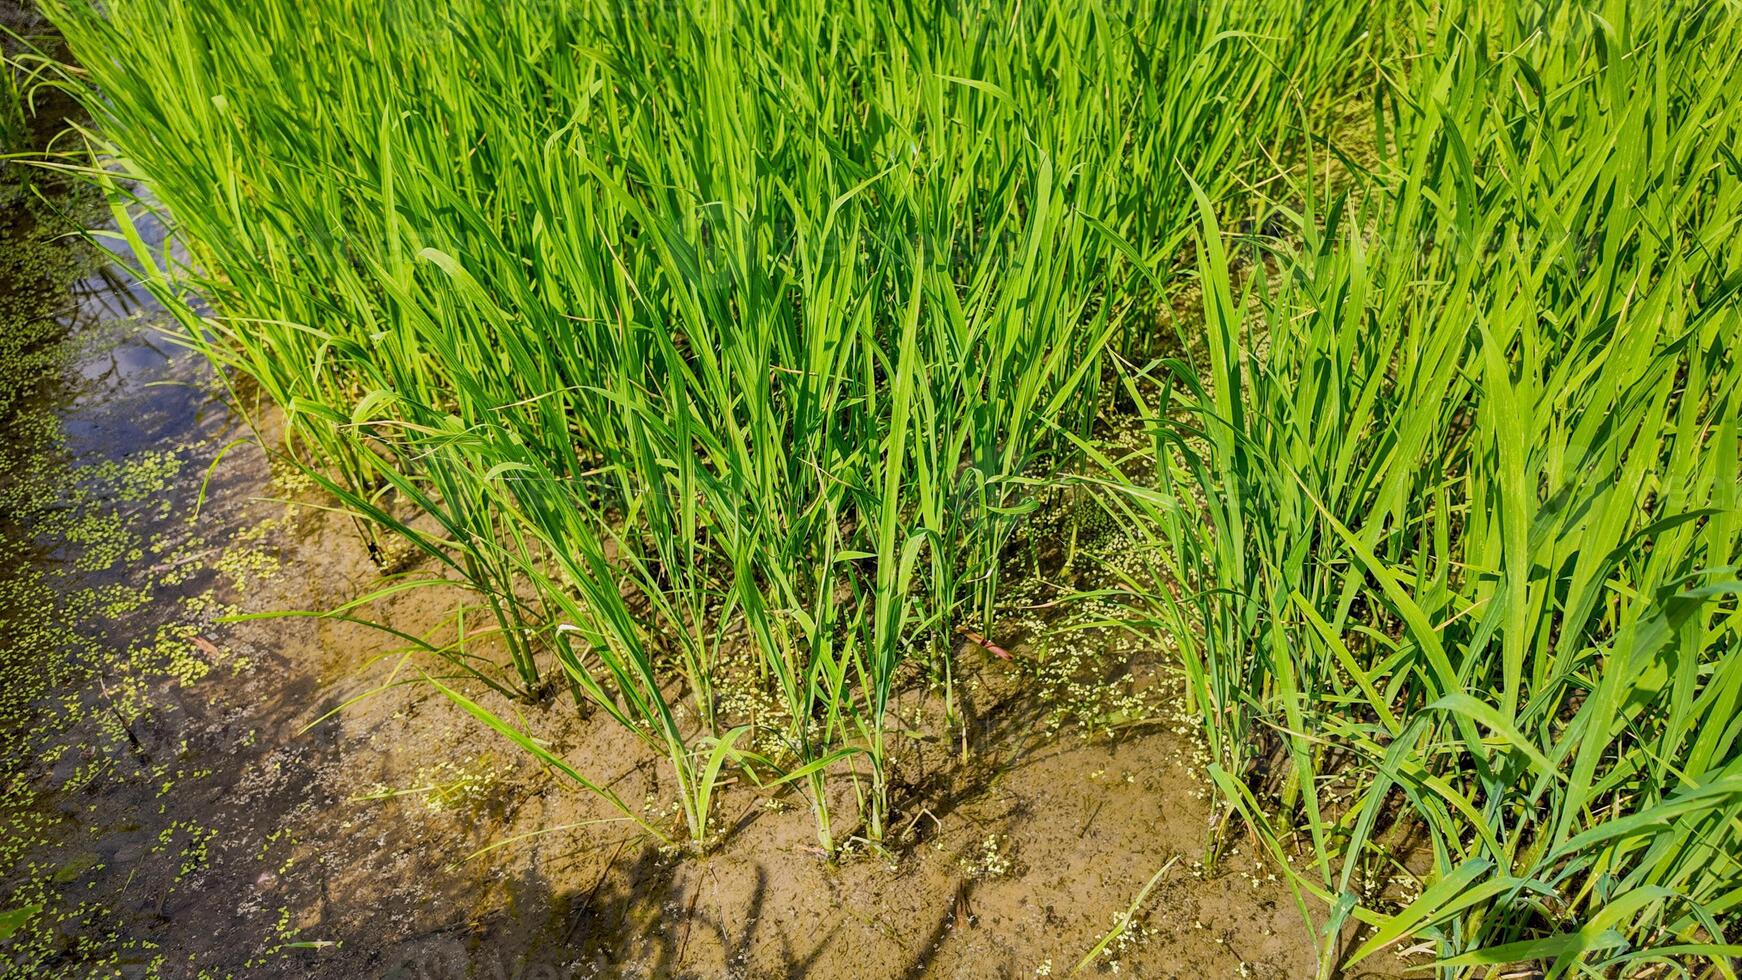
<point>1459,606</point>
<point>674,329</point>
<point>706,334</point>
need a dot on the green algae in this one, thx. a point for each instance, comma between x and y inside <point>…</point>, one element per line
<point>107,595</point>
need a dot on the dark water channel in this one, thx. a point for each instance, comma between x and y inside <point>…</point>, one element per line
<point>114,748</point>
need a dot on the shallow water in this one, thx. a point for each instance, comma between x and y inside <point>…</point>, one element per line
<point>107,597</point>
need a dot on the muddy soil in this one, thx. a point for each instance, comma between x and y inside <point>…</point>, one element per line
<point>188,797</point>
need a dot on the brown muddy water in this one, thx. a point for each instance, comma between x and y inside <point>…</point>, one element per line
<point>177,802</point>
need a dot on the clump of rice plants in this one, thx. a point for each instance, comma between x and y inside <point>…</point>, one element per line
<point>1462,591</point>
<point>679,329</point>
<point>707,337</point>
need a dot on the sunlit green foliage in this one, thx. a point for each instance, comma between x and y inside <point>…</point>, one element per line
<point>682,330</point>
<point>1464,586</point>
<point>687,326</point>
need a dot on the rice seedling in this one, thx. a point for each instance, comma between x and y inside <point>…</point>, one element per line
<point>703,334</point>
<point>1461,592</point>
<point>689,326</point>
